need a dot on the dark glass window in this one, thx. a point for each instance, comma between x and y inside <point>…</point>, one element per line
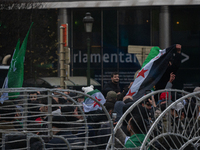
<point>186,31</point>
<point>134,27</point>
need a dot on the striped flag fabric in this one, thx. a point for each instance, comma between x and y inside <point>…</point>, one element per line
<point>91,105</point>
<point>151,72</point>
<point>153,53</point>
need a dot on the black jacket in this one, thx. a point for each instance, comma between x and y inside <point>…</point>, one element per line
<point>110,86</point>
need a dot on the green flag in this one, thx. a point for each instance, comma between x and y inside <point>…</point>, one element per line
<point>15,75</point>
<point>4,96</point>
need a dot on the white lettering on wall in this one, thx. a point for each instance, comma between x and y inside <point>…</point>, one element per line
<point>95,58</point>
<point>107,58</point>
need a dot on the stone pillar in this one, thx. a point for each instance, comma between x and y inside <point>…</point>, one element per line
<point>164,27</point>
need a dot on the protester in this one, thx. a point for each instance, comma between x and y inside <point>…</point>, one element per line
<point>118,108</point>
<point>136,128</point>
<point>124,92</point>
<point>112,85</point>
<point>44,109</point>
<point>43,119</point>
<point>7,117</point>
<point>104,131</point>
<point>59,127</point>
<point>33,107</point>
<point>111,97</point>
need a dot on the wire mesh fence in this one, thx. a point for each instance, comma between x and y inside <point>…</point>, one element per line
<point>36,118</point>
<point>164,119</point>
<point>39,118</point>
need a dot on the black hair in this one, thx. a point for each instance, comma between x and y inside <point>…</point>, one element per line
<point>128,100</point>
<point>138,125</point>
<point>109,106</point>
<point>59,122</point>
<point>146,102</point>
<point>114,73</point>
<point>62,100</point>
<point>139,110</point>
<point>190,110</point>
<point>33,92</point>
<point>68,112</point>
<point>45,102</point>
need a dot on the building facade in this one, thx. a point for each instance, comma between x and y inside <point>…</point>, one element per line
<point>118,24</point>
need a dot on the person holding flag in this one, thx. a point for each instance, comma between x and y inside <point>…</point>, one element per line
<point>152,70</point>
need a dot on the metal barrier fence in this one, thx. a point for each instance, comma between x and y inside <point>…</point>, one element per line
<point>183,131</point>
<point>155,127</point>
<point>39,118</point>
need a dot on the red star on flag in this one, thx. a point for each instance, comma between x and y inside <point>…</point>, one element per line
<point>156,57</point>
<point>130,93</point>
<point>141,73</point>
<point>95,103</point>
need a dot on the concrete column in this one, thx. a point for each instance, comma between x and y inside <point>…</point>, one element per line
<point>164,27</point>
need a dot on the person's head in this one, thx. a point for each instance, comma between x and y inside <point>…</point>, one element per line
<point>33,96</point>
<point>176,110</point>
<point>115,77</point>
<point>80,99</point>
<point>45,107</point>
<point>136,125</point>
<point>147,104</point>
<point>197,89</point>
<point>163,100</point>
<point>139,111</point>
<point>111,96</point>
<point>62,100</point>
<point>190,110</point>
<point>109,107</point>
<point>164,96</point>
<point>58,123</point>
<point>68,112</point>
<point>127,98</point>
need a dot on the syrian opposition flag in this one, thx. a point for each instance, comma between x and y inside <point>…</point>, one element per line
<point>89,104</point>
<point>151,72</point>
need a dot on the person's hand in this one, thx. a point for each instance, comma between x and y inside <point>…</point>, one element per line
<point>114,123</point>
<point>130,85</point>
<point>76,114</point>
<point>178,48</point>
<point>76,111</point>
<point>118,93</point>
<point>172,77</point>
<point>152,101</point>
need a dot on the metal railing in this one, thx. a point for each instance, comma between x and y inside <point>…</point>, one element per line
<point>38,115</point>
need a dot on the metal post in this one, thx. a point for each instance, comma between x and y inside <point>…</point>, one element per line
<point>164,27</point>
<point>62,59</point>
<point>88,61</point>
<point>25,114</point>
<point>169,113</point>
<point>50,133</point>
<point>67,61</point>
